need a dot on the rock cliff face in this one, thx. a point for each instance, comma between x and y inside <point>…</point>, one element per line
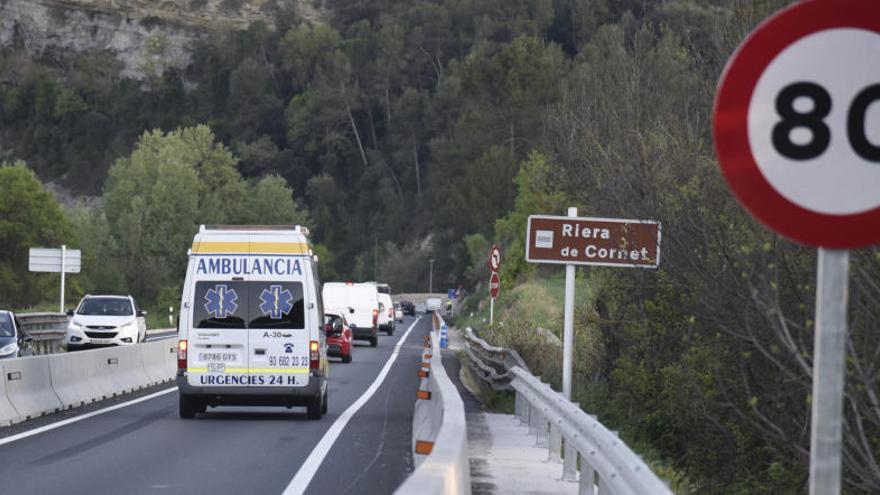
<point>144,35</point>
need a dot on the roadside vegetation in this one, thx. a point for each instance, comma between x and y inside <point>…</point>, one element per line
<point>404,131</point>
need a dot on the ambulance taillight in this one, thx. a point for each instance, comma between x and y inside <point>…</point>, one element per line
<point>314,355</point>
<point>181,354</point>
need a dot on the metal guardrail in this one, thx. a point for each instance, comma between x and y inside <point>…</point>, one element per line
<point>605,460</point>
<point>439,430</point>
<point>562,426</point>
<point>46,329</point>
<point>491,364</point>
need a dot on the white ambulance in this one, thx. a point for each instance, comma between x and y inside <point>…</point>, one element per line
<point>251,321</point>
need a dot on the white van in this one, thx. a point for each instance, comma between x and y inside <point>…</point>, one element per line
<point>360,305</point>
<point>433,304</point>
<point>386,308</point>
<point>386,314</point>
<point>251,321</point>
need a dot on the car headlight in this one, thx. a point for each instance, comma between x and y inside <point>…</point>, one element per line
<point>74,326</point>
<point>9,349</point>
<point>126,327</point>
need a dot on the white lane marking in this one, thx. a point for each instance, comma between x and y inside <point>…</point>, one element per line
<point>307,471</point>
<point>92,414</point>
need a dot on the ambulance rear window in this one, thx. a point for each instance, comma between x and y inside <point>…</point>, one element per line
<point>249,305</point>
<point>276,305</point>
<point>220,305</point>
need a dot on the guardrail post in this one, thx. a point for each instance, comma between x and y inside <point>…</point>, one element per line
<point>518,406</point>
<point>555,444</point>
<point>588,479</point>
<point>534,418</point>
<point>541,438</point>
<point>569,463</point>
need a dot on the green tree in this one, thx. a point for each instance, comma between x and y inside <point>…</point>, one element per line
<point>514,84</point>
<point>305,52</point>
<point>538,192</point>
<point>29,217</point>
<point>101,269</point>
<point>155,199</point>
<point>270,201</point>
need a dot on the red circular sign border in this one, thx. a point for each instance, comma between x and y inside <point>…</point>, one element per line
<point>492,250</point>
<point>730,124</point>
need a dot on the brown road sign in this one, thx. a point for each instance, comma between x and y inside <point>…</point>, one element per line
<point>593,241</point>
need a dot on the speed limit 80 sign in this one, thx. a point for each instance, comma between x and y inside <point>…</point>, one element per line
<point>797,123</point>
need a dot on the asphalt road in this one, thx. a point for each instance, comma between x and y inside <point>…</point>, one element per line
<point>145,448</point>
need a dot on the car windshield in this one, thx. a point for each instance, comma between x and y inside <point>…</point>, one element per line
<point>6,328</point>
<point>105,306</point>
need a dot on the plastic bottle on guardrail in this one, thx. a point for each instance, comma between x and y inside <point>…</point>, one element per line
<point>444,330</point>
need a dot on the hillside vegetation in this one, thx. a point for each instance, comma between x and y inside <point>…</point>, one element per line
<point>402,131</point>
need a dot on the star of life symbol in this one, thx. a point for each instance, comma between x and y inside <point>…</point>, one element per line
<point>276,302</point>
<point>221,302</point>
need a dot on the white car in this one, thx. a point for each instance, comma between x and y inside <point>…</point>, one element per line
<point>13,343</point>
<point>105,320</point>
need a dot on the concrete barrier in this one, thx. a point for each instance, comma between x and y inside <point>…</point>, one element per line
<point>428,415</point>
<point>29,386</point>
<point>171,355</point>
<point>439,431</point>
<point>158,363</point>
<point>33,386</point>
<point>8,414</point>
<point>124,367</point>
<point>77,378</point>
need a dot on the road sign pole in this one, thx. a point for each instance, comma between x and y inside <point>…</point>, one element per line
<point>63,269</point>
<point>829,371</point>
<point>491,310</point>
<point>568,324</point>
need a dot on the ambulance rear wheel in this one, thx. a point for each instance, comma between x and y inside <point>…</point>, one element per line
<point>315,407</point>
<point>189,406</point>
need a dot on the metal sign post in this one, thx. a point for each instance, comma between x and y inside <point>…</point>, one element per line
<point>829,371</point>
<point>63,267</point>
<point>491,310</point>
<point>568,324</point>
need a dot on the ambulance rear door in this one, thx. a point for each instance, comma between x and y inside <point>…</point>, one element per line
<point>278,334</point>
<point>218,339</point>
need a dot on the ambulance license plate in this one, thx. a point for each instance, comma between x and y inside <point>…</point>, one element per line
<point>216,367</point>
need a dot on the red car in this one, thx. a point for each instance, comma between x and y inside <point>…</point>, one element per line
<point>339,336</point>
